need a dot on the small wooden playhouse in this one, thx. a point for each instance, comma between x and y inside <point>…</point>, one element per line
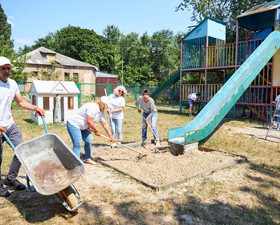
<point>45,94</point>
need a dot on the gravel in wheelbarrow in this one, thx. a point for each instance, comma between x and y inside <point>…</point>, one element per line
<point>49,163</point>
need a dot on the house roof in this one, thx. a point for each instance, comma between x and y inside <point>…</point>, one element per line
<point>39,57</point>
<point>105,75</point>
<point>54,87</point>
<point>261,8</point>
<point>259,17</point>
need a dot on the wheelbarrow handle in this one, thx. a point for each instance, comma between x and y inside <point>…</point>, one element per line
<point>9,141</point>
<point>45,124</point>
<point>30,187</point>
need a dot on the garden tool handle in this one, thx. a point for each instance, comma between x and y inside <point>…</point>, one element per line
<point>124,145</point>
<point>149,125</point>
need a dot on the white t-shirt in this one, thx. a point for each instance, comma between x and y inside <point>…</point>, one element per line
<point>277,100</point>
<point>8,91</point>
<point>115,103</point>
<point>78,119</point>
<point>193,96</point>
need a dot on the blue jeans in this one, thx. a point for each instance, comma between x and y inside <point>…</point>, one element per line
<point>153,123</point>
<point>278,118</point>
<point>116,126</point>
<point>77,135</point>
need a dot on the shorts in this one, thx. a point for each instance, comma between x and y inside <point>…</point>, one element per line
<point>190,101</point>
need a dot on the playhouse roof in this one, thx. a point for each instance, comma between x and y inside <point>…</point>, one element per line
<point>259,17</point>
<point>210,27</point>
<point>40,56</point>
<point>54,87</point>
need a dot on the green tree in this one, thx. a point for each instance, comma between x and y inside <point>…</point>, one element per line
<point>51,73</point>
<point>17,72</point>
<point>113,34</point>
<point>5,28</point>
<point>225,10</point>
<point>166,53</point>
<point>135,59</point>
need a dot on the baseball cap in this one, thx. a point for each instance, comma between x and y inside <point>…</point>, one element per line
<point>4,61</point>
<point>105,100</point>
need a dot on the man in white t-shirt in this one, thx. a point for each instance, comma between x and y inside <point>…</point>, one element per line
<point>9,91</point>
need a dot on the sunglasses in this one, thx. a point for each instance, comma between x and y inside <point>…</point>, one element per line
<point>6,68</point>
<point>120,91</point>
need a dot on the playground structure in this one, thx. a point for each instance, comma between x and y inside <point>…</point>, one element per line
<point>244,73</point>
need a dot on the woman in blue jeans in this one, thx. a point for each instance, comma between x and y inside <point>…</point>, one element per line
<point>117,104</point>
<point>83,122</point>
<point>147,104</point>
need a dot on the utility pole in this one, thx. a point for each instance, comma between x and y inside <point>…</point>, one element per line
<point>122,70</point>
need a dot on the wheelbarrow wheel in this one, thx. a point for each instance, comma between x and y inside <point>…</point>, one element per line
<point>69,196</point>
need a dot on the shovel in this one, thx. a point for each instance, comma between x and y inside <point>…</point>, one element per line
<point>141,154</point>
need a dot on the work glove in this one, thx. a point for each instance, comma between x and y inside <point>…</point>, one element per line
<point>2,129</point>
<point>112,139</point>
<point>97,133</point>
<point>139,110</point>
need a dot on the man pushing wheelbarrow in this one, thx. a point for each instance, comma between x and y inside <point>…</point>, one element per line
<point>49,164</point>
<point>10,91</point>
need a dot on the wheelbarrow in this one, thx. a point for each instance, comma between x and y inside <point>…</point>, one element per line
<point>51,167</point>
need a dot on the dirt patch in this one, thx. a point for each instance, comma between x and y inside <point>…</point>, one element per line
<point>48,173</point>
<point>160,168</point>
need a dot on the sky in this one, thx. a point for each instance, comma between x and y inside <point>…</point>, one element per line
<point>34,19</point>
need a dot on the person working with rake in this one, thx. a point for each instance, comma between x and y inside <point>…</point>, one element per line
<point>83,122</point>
<point>116,114</point>
<point>147,104</point>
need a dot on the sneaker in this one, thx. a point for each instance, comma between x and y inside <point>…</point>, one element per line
<point>157,143</point>
<point>15,184</point>
<point>114,145</point>
<point>3,191</point>
<point>143,143</point>
<point>89,161</point>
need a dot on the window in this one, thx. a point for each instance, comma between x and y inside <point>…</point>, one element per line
<point>66,76</point>
<point>70,102</point>
<point>46,103</point>
<point>33,100</point>
<point>75,77</point>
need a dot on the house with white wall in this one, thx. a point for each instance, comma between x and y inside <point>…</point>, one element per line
<point>44,94</point>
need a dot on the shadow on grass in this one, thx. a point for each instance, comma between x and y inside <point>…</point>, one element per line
<point>193,211</point>
<point>35,207</point>
<point>29,121</point>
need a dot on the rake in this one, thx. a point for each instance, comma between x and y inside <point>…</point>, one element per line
<point>141,154</point>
